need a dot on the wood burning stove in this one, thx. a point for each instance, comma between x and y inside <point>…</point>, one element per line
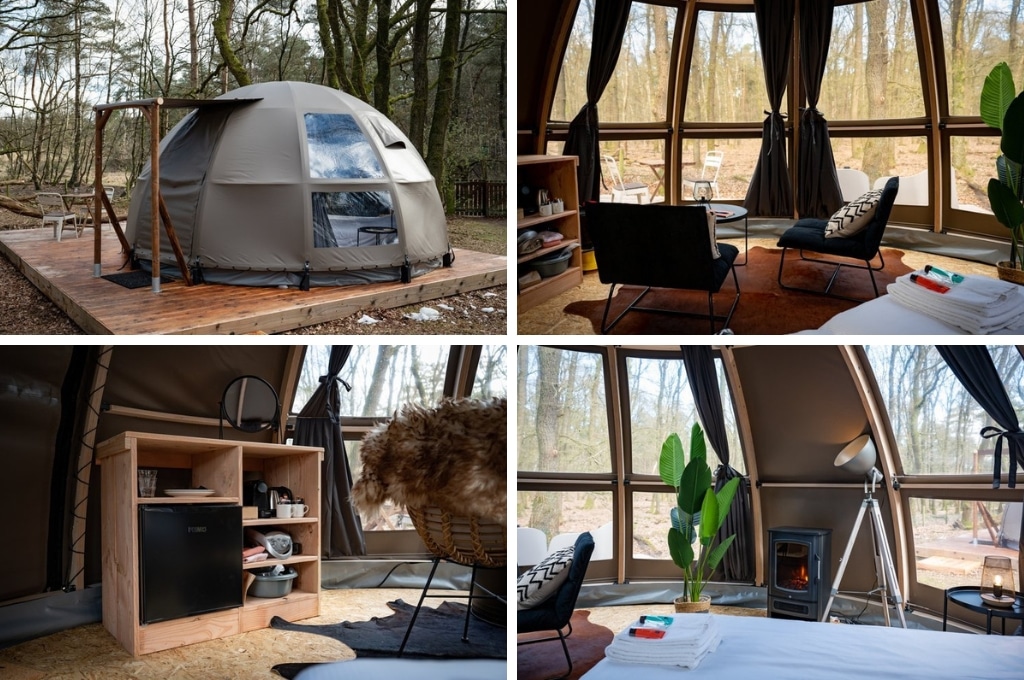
<point>799,565</point>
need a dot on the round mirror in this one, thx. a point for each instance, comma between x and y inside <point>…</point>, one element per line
<point>250,404</point>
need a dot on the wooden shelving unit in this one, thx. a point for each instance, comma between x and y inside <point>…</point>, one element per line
<point>215,464</point>
<point>557,174</point>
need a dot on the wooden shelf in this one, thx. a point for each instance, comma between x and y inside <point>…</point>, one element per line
<point>214,464</point>
<point>533,221</point>
<point>556,174</point>
<point>546,251</point>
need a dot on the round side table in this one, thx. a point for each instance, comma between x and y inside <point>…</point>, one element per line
<point>969,597</point>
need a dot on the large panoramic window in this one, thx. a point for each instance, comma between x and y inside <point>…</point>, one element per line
<point>562,418</point>
<point>976,37</point>
<point>726,83</point>
<point>872,72</point>
<point>638,90</point>
<point>338,148</point>
<point>935,421</point>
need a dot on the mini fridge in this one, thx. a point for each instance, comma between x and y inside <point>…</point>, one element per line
<point>190,560</point>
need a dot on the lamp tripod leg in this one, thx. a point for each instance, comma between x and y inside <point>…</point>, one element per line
<point>887,579</point>
<point>845,559</point>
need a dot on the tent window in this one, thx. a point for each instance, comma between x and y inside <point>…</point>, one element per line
<point>338,149</point>
<point>348,219</point>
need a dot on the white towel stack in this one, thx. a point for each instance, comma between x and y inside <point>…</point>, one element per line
<point>687,641</point>
<point>978,305</point>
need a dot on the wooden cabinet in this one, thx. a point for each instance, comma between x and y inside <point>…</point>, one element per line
<point>556,174</point>
<point>214,464</point>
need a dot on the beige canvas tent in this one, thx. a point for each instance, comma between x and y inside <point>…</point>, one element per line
<point>292,184</point>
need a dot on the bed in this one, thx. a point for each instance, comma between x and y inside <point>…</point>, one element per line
<point>755,647</point>
<point>885,316</point>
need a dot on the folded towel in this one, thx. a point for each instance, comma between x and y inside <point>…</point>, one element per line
<point>977,305</point>
<point>687,641</point>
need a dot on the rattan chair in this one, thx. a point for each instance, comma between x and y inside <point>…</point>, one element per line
<point>468,541</point>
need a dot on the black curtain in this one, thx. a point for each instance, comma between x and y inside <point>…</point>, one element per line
<point>610,18</point>
<point>818,193</point>
<point>738,564</point>
<point>973,367</point>
<point>319,424</point>
<point>771,191</point>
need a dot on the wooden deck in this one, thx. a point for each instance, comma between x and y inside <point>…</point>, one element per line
<point>63,272</point>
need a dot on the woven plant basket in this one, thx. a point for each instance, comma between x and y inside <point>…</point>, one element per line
<point>702,606</point>
<point>466,540</point>
<point>1011,274</point>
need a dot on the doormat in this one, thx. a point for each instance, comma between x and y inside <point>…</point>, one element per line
<point>541,660</point>
<point>437,634</point>
<point>764,308</point>
<point>136,279</point>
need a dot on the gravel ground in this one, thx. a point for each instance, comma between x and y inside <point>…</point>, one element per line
<point>24,310</point>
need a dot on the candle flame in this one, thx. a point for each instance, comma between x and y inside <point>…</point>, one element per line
<point>997,581</point>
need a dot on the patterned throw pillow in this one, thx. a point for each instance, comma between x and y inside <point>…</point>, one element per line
<point>853,216</point>
<point>544,579</point>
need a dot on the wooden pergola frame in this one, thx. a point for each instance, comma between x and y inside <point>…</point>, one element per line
<point>150,108</point>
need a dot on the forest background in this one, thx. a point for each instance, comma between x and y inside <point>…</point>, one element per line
<point>437,69</point>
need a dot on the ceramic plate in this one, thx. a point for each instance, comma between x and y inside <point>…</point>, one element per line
<point>190,492</point>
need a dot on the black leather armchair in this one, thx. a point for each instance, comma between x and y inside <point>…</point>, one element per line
<point>658,246</point>
<point>555,612</point>
<point>808,234</point>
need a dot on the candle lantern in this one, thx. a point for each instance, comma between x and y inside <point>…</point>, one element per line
<point>997,580</point>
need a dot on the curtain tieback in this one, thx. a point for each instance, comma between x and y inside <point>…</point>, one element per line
<point>1014,445</point>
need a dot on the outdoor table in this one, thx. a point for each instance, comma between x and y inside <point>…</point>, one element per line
<point>376,231</point>
<point>657,166</point>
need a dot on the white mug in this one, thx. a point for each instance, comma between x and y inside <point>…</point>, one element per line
<point>284,510</point>
<point>299,509</point>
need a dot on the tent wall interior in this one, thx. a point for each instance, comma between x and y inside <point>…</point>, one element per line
<point>674,93</point>
<point>58,401</point>
<point>788,412</point>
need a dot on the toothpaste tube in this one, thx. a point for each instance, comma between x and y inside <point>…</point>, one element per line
<point>939,273</point>
<point>656,620</point>
<point>930,284</point>
<point>649,633</point>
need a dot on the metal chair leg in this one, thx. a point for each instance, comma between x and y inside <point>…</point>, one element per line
<point>423,595</point>
<point>469,604</point>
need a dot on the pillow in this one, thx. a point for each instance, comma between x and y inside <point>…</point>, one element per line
<point>544,579</point>
<point>853,216</point>
<point>711,232</point>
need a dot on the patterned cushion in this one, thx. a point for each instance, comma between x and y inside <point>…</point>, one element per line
<point>544,579</point>
<point>853,216</point>
<point>712,222</point>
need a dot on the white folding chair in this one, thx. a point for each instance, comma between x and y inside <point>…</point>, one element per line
<point>54,211</point>
<point>709,172</point>
<point>853,183</point>
<point>621,192</point>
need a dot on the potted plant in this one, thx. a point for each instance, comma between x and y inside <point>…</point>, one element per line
<point>1003,109</point>
<point>697,517</point>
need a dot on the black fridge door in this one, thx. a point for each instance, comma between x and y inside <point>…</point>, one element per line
<point>190,560</point>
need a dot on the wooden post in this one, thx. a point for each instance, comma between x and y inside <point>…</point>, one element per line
<point>97,186</point>
<point>154,188</point>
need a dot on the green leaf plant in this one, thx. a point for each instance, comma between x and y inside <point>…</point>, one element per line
<point>1002,108</point>
<point>699,513</point>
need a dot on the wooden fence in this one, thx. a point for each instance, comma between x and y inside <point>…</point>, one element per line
<point>480,199</point>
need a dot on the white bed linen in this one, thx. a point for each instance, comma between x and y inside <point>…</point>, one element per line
<point>755,648</point>
<point>885,316</point>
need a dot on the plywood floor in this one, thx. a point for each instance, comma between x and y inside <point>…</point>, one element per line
<point>63,272</point>
<point>91,652</point>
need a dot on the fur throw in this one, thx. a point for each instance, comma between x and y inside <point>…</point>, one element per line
<point>452,457</point>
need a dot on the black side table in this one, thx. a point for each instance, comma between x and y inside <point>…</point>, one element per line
<point>736,213</point>
<point>969,597</point>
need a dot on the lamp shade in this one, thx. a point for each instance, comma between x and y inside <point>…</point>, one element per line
<point>858,456</point>
<point>997,575</point>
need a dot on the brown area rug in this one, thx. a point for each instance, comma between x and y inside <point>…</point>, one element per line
<point>547,659</point>
<point>764,308</point>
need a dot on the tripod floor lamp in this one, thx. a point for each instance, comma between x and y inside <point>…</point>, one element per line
<point>859,457</point>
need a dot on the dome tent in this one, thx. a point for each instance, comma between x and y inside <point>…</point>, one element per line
<point>292,184</point>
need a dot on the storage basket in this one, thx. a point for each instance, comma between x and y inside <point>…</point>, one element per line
<point>268,585</point>
<point>466,540</point>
